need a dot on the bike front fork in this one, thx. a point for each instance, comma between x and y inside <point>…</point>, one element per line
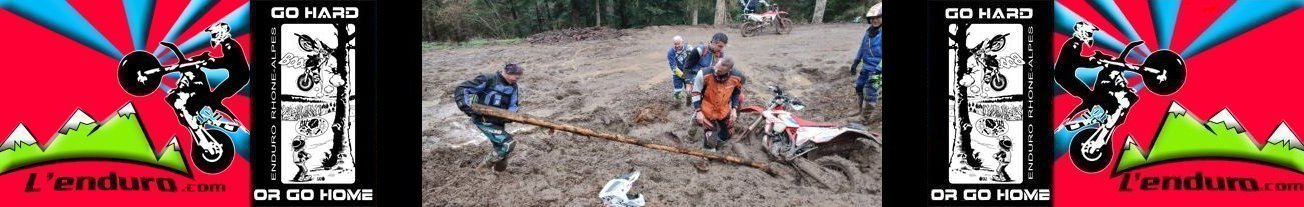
<point>206,142</point>
<point>1099,140</point>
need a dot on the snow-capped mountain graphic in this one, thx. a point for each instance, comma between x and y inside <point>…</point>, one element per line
<point>1176,108</point>
<point>1283,135</point>
<point>20,137</point>
<point>1225,116</point>
<point>1182,137</point>
<point>120,137</point>
<point>78,118</point>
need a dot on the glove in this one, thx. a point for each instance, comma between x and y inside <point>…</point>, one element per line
<point>466,109</point>
<point>679,73</point>
<point>854,64</point>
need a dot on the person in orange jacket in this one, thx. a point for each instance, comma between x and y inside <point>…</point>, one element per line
<point>719,106</point>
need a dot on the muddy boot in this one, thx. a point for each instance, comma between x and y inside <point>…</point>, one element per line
<point>702,165</point>
<point>501,164</point>
<point>867,113</point>
<point>488,160</point>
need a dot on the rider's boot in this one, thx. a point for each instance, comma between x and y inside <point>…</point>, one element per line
<point>702,165</point>
<point>710,147</point>
<point>501,164</point>
<point>488,160</point>
<point>867,112</point>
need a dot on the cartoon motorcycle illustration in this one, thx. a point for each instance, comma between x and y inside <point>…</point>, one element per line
<point>1105,106</point>
<point>210,123</point>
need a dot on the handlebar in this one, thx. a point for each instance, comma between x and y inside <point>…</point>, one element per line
<point>781,98</point>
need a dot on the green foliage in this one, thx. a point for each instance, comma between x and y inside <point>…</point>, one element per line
<point>463,20</point>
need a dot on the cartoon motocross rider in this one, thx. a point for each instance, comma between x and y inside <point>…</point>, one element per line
<point>1108,103</point>
<point>192,93</point>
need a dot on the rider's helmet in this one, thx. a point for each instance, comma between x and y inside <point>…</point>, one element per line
<point>875,11</point>
<point>218,32</point>
<point>1085,32</point>
<point>307,44</point>
<point>996,43</point>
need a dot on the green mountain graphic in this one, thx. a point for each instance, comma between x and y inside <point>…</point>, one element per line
<point>1182,136</point>
<point>120,138</point>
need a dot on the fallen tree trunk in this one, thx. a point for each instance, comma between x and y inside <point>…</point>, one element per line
<point>527,119</point>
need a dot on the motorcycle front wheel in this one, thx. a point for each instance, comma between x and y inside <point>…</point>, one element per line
<point>305,82</point>
<point>213,163</point>
<point>785,26</point>
<point>998,82</point>
<point>1088,162</point>
<point>778,147</point>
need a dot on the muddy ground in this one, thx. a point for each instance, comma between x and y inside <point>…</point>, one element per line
<point>621,83</point>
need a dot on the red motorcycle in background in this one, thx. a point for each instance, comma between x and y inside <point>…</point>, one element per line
<point>755,22</point>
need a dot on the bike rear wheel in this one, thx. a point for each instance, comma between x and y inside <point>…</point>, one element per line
<point>213,163</point>
<point>750,28</point>
<point>1082,160</point>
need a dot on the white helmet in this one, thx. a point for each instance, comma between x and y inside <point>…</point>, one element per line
<point>874,11</point>
<point>1085,32</point>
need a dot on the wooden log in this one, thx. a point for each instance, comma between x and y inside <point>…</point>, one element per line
<point>527,119</point>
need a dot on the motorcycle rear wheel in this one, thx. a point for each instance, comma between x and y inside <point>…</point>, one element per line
<point>750,28</point>
<point>213,163</point>
<point>1080,159</point>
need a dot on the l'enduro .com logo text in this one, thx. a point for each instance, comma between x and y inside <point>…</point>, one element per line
<point>38,182</point>
<point>1198,181</point>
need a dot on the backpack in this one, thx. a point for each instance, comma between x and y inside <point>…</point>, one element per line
<point>693,57</point>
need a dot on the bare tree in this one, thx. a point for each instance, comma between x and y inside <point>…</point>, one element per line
<point>721,12</point>
<point>819,11</point>
<point>694,6</point>
<point>959,39</point>
<point>342,96</point>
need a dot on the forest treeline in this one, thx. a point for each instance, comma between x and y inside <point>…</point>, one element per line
<point>461,20</point>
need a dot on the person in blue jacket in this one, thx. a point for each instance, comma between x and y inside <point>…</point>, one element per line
<point>869,57</point>
<point>676,56</point>
<point>497,90</point>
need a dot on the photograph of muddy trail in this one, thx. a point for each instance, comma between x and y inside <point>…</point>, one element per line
<point>618,81</point>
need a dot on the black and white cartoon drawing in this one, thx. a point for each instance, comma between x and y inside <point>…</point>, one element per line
<point>987,95</point>
<point>317,103</point>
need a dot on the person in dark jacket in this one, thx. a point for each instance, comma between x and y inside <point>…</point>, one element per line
<point>498,90</point>
<point>707,56</point>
